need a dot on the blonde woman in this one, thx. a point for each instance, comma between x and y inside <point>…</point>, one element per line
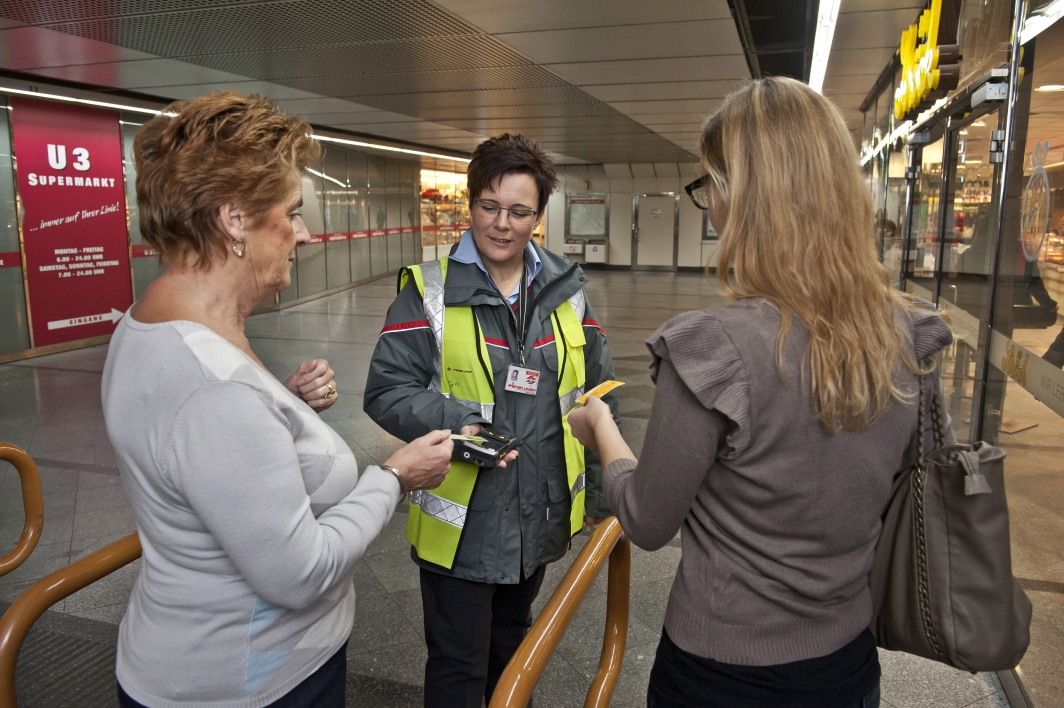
<point>779,422</point>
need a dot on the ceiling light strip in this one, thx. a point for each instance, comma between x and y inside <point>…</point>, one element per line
<point>389,148</point>
<point>154,112</point>
<point>827,16</point>
<point>322,174</point>
<point>83,101</point>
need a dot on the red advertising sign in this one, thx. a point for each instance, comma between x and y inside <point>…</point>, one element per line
<point>74,225</point>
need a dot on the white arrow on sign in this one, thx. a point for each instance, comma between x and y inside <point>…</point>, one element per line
<point>112,316</point>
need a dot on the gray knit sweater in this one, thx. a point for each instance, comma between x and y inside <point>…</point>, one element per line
<point>779,519</point>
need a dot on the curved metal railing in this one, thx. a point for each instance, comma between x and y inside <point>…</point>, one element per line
<point>527,665</point>
<point>32,504</point>
<point>30,605</point>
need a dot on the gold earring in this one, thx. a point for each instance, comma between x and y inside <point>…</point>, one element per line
<point>238,248</point>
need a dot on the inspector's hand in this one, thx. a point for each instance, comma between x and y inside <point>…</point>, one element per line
<point>590,522</point>
<point>425,461</point>
<point>475,428</point>
<point>315,383</point>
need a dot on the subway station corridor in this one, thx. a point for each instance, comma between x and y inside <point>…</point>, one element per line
<point>54,414</point>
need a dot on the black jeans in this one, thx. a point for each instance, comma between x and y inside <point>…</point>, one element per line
<point>324,688</point>
<point>847,678</point>
<point>472,630</point>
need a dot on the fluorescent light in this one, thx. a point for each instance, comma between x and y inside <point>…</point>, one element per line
<point>83,101</point>
<point>902,129</point>
<point>978,124</point>
<point>973,162</point>
<point>322,174</point>
<point>154,112</point>
<point>827,15</point>
<point>1050,87</point>
<point>1035,24</point>
<point>389,148</point>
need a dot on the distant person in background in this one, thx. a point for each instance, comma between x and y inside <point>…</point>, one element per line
<point>250,509</point>
<point>778,424</point>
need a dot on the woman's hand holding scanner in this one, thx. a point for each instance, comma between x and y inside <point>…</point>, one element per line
<point>315,383</point>
<point>425,461</point>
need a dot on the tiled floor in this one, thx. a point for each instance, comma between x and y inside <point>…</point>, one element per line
<point>51,407</point>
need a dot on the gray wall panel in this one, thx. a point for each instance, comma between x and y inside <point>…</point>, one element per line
<point>338,263</point>
<point>378,254</point>
<point>360,262</point>
<point>310,260</point>
<point>395,252</point>
<point>14,324</point>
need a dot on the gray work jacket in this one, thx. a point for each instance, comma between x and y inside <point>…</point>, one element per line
<point>518,517</point>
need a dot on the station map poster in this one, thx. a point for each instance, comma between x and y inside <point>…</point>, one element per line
<point>74,233</point>
<point>587,217</point>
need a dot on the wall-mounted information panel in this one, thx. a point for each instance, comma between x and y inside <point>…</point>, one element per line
<point>587,216</point>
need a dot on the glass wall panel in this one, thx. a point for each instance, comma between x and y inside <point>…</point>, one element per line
<point>378,215</point>
<point>925,222</point>
<point>358,216</point>
<point>983,36</point>
<point>393,222</point>
<point>145,261</point>
<point>409,212</point>
<point>429,195</point>
<point>310,259</point>
<point>1024,410</point>
<point>14,324</point>
<point>337,245</point>
<point>964,291</point>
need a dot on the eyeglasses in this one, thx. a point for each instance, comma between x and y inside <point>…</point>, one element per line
<point>490,210</point>
<point>698,193</point>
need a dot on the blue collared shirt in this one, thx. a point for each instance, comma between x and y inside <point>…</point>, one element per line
<point>467,253</point>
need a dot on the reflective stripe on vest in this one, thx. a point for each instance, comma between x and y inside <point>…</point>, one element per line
<point>436,519</point>
<point>439,508</point>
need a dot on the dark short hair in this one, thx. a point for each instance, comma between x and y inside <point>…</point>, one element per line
<point>224,147</point>
<point>511,155</point>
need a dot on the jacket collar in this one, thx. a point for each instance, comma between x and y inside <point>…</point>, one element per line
<point>560,277</point>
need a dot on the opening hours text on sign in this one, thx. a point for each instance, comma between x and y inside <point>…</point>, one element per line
<point>74,218</point>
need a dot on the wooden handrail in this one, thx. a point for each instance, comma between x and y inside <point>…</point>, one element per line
<point>30,605</point>
<point>32,505</point>
<point>531,659</point>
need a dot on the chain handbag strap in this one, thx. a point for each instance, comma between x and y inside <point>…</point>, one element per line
<point>919,479</point>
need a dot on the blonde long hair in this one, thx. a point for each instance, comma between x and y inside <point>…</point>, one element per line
<point>798,233</point>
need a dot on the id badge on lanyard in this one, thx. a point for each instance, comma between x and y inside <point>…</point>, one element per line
<point>521,379</point>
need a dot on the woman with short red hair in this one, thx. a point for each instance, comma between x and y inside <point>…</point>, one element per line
<point>250,509</point>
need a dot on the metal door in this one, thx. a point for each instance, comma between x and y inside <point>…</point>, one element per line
<point>655,231</point>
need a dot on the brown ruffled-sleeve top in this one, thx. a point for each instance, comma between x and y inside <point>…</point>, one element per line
<point>779,518</point>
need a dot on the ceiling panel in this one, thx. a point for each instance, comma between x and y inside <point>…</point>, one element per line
<point>664,90</point>
<point>649,41</point>
<point>518,16</point>
<point>862,30</point>
<point>690,68</point>
<point>584,77</point>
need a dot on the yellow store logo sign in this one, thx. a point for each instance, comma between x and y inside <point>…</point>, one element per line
<point>925,66</point>
<point>1014,363</point>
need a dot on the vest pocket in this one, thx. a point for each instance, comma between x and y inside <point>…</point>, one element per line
<point>558,485</point>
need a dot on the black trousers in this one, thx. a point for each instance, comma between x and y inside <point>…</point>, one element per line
<point>472,630</point>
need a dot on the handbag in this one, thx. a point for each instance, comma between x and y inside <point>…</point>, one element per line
<point>941,579</point>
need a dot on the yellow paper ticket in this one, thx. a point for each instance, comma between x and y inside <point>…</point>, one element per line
<point>599,391</point>
<point>475,439</point>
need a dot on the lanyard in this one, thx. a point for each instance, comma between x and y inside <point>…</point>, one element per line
<point>521,318</point>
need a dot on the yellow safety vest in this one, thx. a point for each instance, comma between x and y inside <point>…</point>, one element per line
<point>462,370</point>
